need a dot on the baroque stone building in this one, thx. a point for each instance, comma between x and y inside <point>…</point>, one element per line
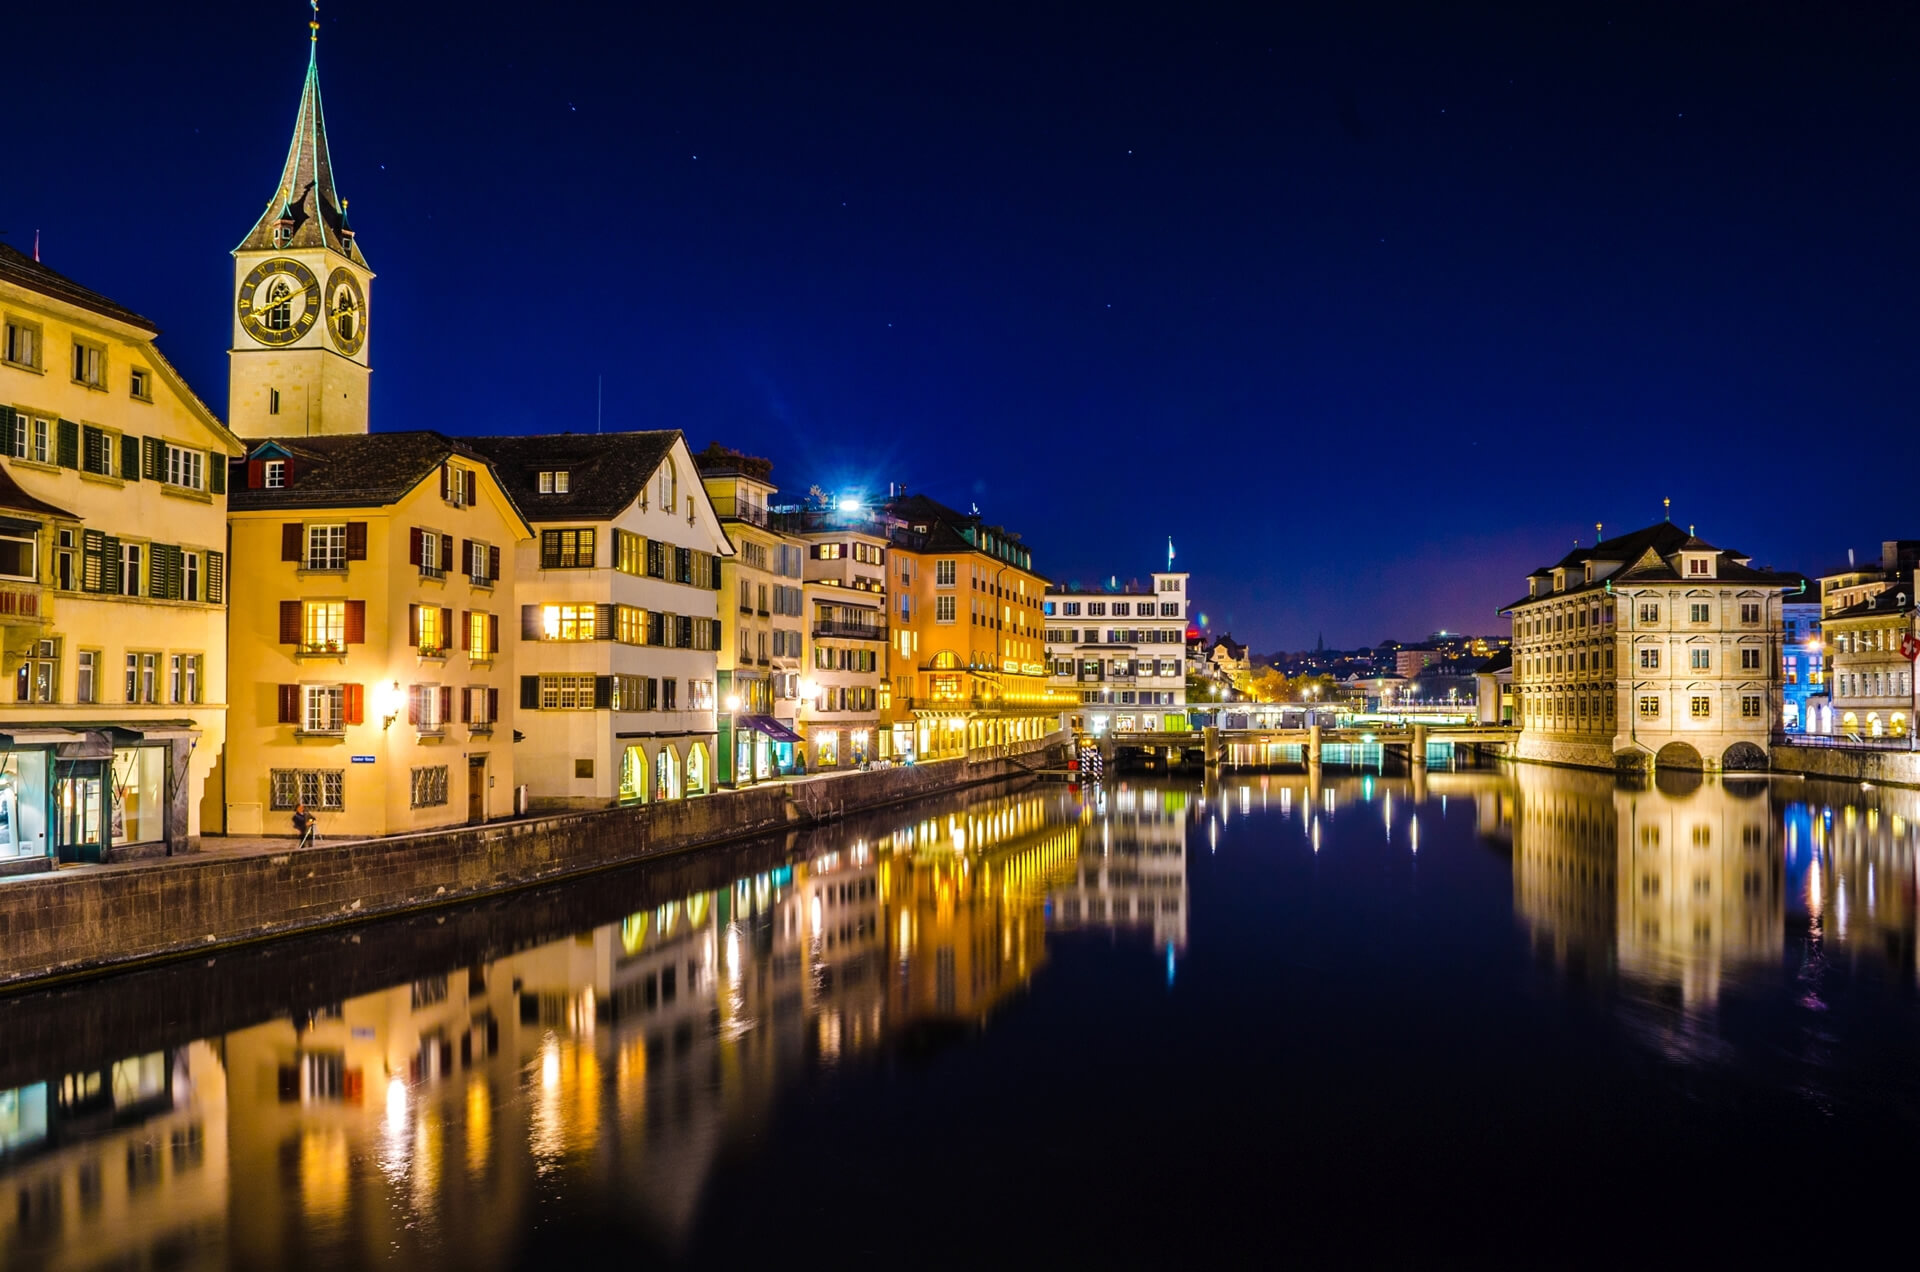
<point>1653,648</point>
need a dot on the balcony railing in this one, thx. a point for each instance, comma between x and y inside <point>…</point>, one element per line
<point>20,600</point>
<point>1844,741</point>
<point>731,506</point>
<point>852,631</point>
<point>432,571</point>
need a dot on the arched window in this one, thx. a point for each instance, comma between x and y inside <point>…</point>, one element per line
<point>697,769</point>
<point>633,776</point>
<point>945,660</point>
<point>669,487</point>
<point>666,773</point>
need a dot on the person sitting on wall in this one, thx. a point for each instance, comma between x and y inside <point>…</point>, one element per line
<point>304,823</point>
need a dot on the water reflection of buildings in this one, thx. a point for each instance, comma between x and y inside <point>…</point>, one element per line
<point>1132,870</point>
<point>1677,888</point>
<point>1851,863</point>
<point>425,1117</point>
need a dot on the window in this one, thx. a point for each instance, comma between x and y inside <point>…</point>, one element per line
<point>1096,609</point>
<point>1750,706</point>
<point>1123,609</point>
<point>479,636</point>
<point>323,627</point>
<point>433,637</point>
<point>143,674</point>
<point>327,547</point>
<point>479,563</point>
<point>630,625</point>
<point>1649,708</point>
<point>322,790</point>
<point>130,569</point>
<point>186,468</point>
<point>426,708</point>
<point>323,709</point>
<point>567,549</point>
<point>87,682</point>
<point>828,551</point>
<point>1169,609</point>
<point>1696,565</point>
<point>38,679</point>
<point>479,708</point>
<point>433,556</point>
<point>1702,708</point>
<point>1749,660</point>
<point>1700,659</point>
<point>1649,658</point>
<point>567,622</point>
<point>141,384</point>
<point>89,364</point>
<point>190,576</point>
<point>700,695</point>
<point>429,786</point>
<point>1697,612</point>
<point>944,608</point>
<point>555,481</point>
<point>19,551</point>
<point>1749,611</point>
<point>275,473</point>
<point>1649,612</point>
<point>183,678</point>
<point>566,693</point>
<point>33,439</point>
<point>944,574</point>
<point>22,344</point>
<point>273,401</point>
<point>669,487</point>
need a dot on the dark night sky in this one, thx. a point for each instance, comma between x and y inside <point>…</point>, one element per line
<point>1372,309</point>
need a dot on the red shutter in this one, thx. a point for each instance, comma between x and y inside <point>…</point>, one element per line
<point>466,706</point>
<point>413,624</point>
<point>493,633</point>
<point>493,564</point>
<point>356,540</point>
<point>289,622</point>
<point>256,474</point>
<point>356,698</point>
<point>413,546</point>
<point>466,629</point>
<point>446,703</point>
<point>493,705</point>
<point>356,622</point>
<point>292,540</point>
<point>289,704</point>
<point>446,628</point>
<point>413,704</point>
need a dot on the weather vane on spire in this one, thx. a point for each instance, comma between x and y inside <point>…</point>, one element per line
<point>1669,506</point>
<point>313,23</point>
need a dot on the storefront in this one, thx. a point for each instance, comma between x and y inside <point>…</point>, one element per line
<point>92,795</point>
<point>755,748</point>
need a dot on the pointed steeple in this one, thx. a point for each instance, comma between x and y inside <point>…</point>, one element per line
<point>306,210</point>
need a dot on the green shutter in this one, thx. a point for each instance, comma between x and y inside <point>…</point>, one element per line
<point>110,571</point>
<point>216,578</point>
<point>169,582</point>
<point>216,473</point>
<point>69,445</point>
<point>129,457</point>
<point>92,557</point>
<point>9,421</point>
<point>92,442</point>
<point>154,453</point>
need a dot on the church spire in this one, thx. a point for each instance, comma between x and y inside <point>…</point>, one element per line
<point>306,210</point>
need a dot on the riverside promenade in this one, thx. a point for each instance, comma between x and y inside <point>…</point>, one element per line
<point>85,921</point>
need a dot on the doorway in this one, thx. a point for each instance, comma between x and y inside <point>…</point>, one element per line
<point>476,788</point>
<point>79,803</point>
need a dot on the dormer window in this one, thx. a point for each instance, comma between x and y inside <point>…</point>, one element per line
<point>457,485</point>
<point>1589,572</point>
<point>1559,580</point>
<point>555,481</point>
<point>273,474</point>
<point>1699,567</point>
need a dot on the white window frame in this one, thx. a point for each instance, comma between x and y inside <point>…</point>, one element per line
<point>185,468</point>
<point>327,546</point>
<point>323,708</point>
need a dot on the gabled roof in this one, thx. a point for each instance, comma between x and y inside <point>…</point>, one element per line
<point>305,196</point>
<point>606,472</point>
<point>22,270</point>
<point>350,470</point>
<point>1648,556</point>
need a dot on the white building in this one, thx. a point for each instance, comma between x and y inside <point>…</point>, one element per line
<point>1123,650</point>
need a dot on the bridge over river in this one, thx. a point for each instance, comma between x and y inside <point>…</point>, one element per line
<point>1419,744</point>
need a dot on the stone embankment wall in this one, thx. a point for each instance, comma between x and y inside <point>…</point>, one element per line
<point>82,921</point>
<point>1847,764</point>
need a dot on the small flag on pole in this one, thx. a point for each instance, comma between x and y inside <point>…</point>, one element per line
<point>1169,552</point>
<point>36,247</point>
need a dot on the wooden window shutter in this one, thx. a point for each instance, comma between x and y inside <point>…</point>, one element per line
<point>356,540</point>
<point>446,703</point>
<point>216,474</point>
<point>466,629</point>
<point>414,551</point>
<point>493,564</point>
<point>67,452</point>
<point>446,628</point>
<point>355,703</point>
<point>413,624</point>
<point>465,565</point>
<point>289,622</point>
<point>466,706</point>
<point>529,622</point>
<point>289,704</point>
<point>216,578</point>
<point>493,703</point>
<point>7,424</point>
<point>256,474</point>
<point>356,624</point>
<point>603,622</point>
<point>130,457</point>
<point>602,692</point>
<point>293,541</point>
<point>493,633</point>
<point>111,565</point>
<point>445,485</point>
<point>152,453</point>
<point>529,693</point>
<point>413,704</point>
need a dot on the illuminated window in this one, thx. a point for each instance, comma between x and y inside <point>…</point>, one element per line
<point>944,573</point>
<point>944,609</point>
<point>555,481</point>
<point>431,637</point>
<point>1649,658</point>
<point>323,627</point>
<point>479,632</point>
<point>1701,708</point>
<point>567,622</point>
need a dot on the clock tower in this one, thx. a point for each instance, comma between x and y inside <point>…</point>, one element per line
<point>298,365</point>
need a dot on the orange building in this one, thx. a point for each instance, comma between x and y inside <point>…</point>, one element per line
<point>967,658</point>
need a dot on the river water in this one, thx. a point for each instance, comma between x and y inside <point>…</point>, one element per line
<point>1521,1016</point>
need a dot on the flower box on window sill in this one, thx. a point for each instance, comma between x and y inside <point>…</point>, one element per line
<point>329,650</point>
<point>329,735</point>
<point>481,730</point>
<point>433,651</point>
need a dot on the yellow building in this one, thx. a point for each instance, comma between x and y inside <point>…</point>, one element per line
<point>113,582</point>
<point>967,655</point>
<point>762,648</point>
<point>373,645</point>
<point>845,599</point>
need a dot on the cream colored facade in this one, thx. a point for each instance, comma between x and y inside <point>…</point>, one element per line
<point>847,636</point>
<point>374,638</point>
<point>113,582</point>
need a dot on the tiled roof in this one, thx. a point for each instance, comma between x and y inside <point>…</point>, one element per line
<point>1499,662</point>
<point>306,196</point>
<point>1885,605</point>
<point>18,268</point>
<point>605,471</point>
<point>14,499</point>
<point>1644,556</point>
<point>351,470</point>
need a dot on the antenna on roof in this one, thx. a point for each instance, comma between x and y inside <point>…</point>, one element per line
<point>1669,506</point>
<point>1597,536</point>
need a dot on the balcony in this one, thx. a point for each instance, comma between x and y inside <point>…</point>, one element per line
<point>733,508</point>
<point>432,571</point>
<point>850,631</point>
<point>22,605</point>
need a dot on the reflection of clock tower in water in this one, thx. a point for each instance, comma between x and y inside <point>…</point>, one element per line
<point>299,359</point>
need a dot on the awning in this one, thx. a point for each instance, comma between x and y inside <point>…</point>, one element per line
<point>39,736</point>
<point>769,726</point>
<point>153,730</point>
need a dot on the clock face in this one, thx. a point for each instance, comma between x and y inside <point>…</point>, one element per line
<point>279,301</point>
<point>346,311</point>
